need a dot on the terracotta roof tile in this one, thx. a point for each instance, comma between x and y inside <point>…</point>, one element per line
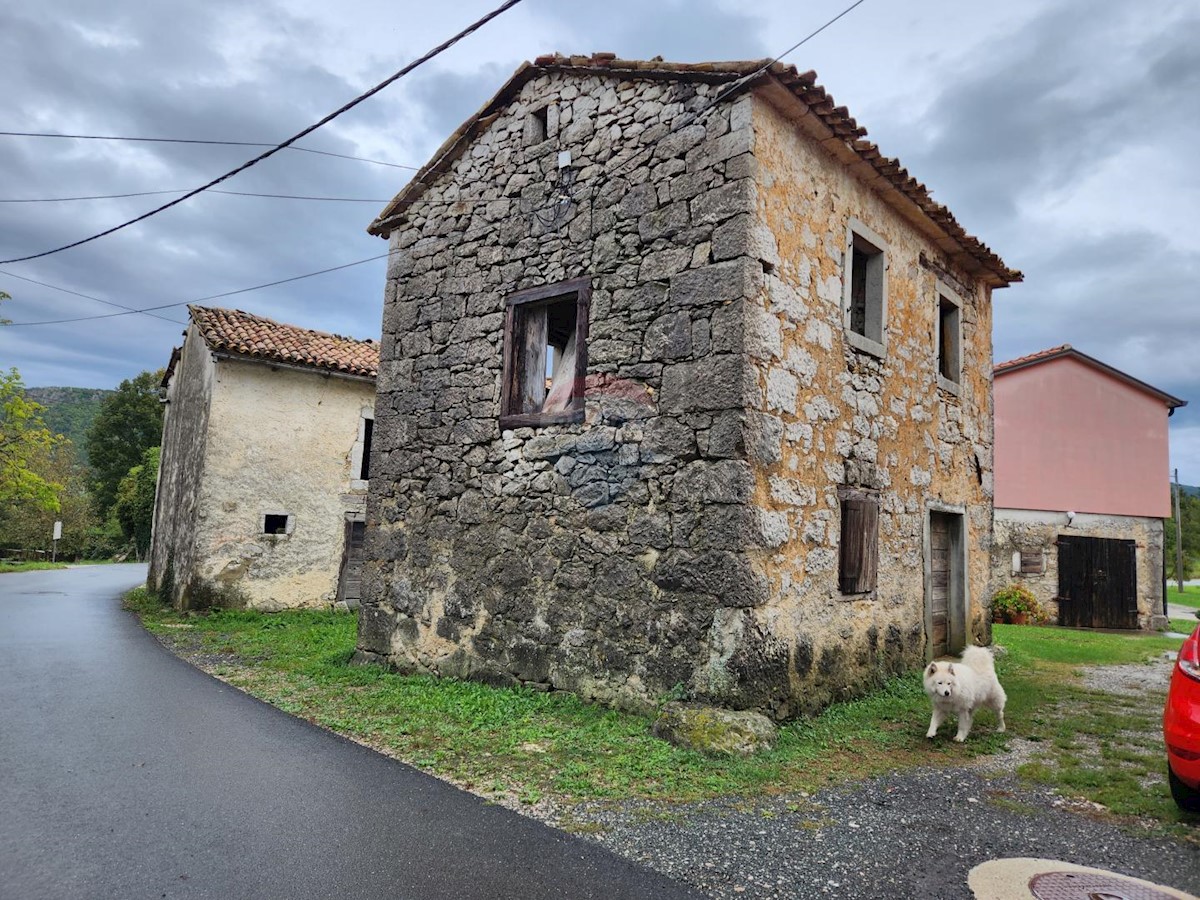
<point>245,334</point>
<point>904,189</point>
<point>1034,357</point>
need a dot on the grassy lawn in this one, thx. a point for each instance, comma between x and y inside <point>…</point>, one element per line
<point>28,566</point>
<point>1189,597</point>
<point>524,745</point>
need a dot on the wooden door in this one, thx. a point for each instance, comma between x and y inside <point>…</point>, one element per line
<point>1097,582</point>
<point>350,582</point>
<point>939,583</point>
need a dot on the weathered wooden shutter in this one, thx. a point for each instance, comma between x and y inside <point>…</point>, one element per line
<point>859,552</point>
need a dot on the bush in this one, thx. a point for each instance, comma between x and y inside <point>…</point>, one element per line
<point>1014,602</point>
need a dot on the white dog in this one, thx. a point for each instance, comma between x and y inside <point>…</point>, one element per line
<point>961,688</point>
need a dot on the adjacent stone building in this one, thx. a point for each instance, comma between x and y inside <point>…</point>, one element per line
<point>1082,488</point>
<point>684,389</point>
<point>263,475</point>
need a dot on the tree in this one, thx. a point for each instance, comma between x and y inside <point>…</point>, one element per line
<point>134,507</point>
<point>1189,509</point>
<point>129,423</point>
<point>30,526</point>
<point>23,439</point>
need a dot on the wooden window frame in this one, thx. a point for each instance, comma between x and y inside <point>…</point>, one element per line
<point>858,572</point>
<point>515,305</point>
<point>873,338</point>
<point>947,297</point>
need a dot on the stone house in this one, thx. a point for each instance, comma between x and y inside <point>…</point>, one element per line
<point>684,389</point>
<point>263,476</point>
<point>1082,488</point>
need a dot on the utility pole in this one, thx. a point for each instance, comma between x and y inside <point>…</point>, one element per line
<point>1178,537</point>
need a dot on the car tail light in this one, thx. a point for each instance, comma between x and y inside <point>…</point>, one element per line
<point>1189,657</point>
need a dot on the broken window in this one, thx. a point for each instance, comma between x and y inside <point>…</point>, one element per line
<point>275,523</point>
<point>866,289</point>
<point>368,429</point>
<point>858,558</point>
<point>949,338</point>
<point>545,355</point>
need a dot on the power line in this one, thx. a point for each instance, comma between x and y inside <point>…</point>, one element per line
<point>606,177</point>
<point>150,140</point>
<point>148,310</point>
<point>183,190</point>
<point>445,45</point>
<point>55,287</point>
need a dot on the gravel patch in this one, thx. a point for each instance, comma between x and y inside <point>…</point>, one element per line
<point>915,834</point>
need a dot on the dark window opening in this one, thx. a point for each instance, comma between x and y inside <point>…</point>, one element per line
<point>274,523</point>
<point>949,365</point>
<point>545,355</point>
<point>365,468</point>
<point>858,557</point>
<point>866,289</point>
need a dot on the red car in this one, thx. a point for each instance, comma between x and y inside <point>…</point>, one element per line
<point>1181,726</point>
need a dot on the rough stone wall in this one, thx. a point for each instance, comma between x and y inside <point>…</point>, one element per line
<point>589,557</point>
<point>824,414</point>
<point>685,534</point>
<point>1035,531</point>
<point>181,468</point>
<point>279,441</point>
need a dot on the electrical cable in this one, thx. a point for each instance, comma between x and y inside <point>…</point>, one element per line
<point>436,51</point>
<point>210,297</point>
<point>148,140</point>
<point>55,287</point>
<point>183,190</point>
<point>553,221</point>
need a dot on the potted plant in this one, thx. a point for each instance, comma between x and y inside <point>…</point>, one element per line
<point>1015,605</point>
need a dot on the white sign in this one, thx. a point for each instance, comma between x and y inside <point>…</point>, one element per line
<point>58,531</point>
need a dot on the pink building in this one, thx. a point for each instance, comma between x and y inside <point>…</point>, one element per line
<point>1081,460</point>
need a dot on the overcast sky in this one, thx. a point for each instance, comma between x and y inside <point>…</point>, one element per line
<point>1063,134</point>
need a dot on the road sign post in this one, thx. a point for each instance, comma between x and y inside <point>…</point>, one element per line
<point>57,537</point>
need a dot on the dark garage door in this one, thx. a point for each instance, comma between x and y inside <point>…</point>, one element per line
<point>1097,582</point>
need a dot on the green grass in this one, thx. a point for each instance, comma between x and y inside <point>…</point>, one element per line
<point>1190,595</point>
<point>528,745</point>
<point>1184,626</point>
<point>6,566</point>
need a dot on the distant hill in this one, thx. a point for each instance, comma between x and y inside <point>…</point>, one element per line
<point>69,410</point>
<point>1190,489</point>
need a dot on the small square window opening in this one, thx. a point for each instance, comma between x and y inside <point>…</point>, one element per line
<point>275,523</point>
<point>537,126</point>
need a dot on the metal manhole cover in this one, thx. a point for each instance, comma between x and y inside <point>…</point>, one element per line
<point>1091,886</point>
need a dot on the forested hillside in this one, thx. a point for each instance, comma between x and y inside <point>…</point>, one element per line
<point>69,410</point>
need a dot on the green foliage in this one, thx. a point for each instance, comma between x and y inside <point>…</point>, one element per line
<point>1016,600</point>
<point>24,439</point>
<point>29,525</point>
<point>128,424</point>
<point>134,506</point>
<point>1189,517</point>
<point>525,745</point>
<point>69,411</point>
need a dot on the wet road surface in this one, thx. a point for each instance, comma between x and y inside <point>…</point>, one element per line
<point>128,773</point>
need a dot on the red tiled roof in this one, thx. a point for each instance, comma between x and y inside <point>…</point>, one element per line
<point>1062,350</point>
<point>245,334</point>
<point>830,124</point>
<point>1034,357</point>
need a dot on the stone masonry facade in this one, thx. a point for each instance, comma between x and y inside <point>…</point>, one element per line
<point>683,538</point>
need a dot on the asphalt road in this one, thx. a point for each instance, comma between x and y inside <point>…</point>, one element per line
<point>129,774</point>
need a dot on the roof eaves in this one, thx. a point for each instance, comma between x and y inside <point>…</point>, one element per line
<point>1066,350</point>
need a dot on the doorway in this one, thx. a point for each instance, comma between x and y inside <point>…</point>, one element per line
<point>945,584</point>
